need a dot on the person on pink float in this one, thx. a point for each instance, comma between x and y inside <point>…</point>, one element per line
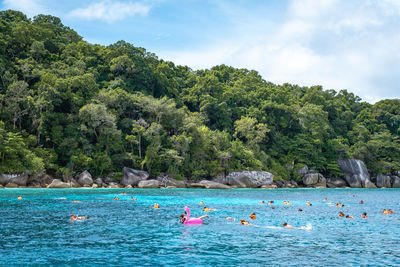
<point>188,220</point>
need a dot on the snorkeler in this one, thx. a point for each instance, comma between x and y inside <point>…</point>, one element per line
<point>244,222</point>
<point>286,225</point>
<point>364,215</point>
<point>74,218</point>
<point>253,216</point>
<point>207,209</point>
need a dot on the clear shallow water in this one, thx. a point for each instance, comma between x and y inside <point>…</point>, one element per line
<point>37,231</point>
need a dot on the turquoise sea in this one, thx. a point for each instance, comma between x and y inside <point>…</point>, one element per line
<point>37,230</point>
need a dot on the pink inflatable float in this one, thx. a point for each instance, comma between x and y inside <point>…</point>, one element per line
<point>191,220</point>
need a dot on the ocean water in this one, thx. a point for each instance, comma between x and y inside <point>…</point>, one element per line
<point>37,231</point>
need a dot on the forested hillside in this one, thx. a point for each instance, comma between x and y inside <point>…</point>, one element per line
<point>68,106</point>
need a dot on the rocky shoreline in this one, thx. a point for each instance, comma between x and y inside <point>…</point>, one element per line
<point>355,173</point>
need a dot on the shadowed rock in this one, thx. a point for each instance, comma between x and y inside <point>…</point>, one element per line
<point>210,185</point>
<point>314,179</point>
<point>85,179</point>
<point>336,182</point>
<point>133,177</point>
<point>149,184</point>
<point>355,173</point>
<point>168,181</point>
<point>20,179</point>
<point>74,183</point>
<point>250,179</point>
<point>383,181</point>
<point>302,171</point>
<point>57,183</point>
<point>98,181</point>
<point>39,179</point>
<point>396,182</point>
<point>11,185</point>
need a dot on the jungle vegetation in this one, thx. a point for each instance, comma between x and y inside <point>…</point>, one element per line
<point>67,105</point>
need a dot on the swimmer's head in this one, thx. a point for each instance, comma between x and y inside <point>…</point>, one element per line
<point>284,224</point>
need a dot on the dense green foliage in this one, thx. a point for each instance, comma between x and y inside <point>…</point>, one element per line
<point>67,105</point>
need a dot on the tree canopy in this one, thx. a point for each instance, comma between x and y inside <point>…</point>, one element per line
<point>67,105</point>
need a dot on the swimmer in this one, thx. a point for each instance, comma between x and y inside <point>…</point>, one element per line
<point>253,216</point>
<point>270,202</point>
<point>135,198</point>
<point>189,220</point>
<point>19,198</point>
<point>207,209</point>
<point>272,207</point>
<point>300,210</point>
<point>325,199</point>
<point>361,202</point>
<point>123,194</point>
<point>385,212</point>
<point>156,206</point>
<point>244,222</point>
<point>182,218</point>
<point>131,197</point>
<point>339,205</point>
<point>74,218</point>
<point>364,215</point>
<point>390,211</point>
<point>308,203</point>
<point>201,203</point>
<point>341,214</point>
<point>349,217</point>
<point>286,225</point>
<point>76,201</point>
<point>228,218</point>
<point>116,198</point>
<point>262,202</point>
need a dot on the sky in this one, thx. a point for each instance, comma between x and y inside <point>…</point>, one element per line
<point>339,44</point>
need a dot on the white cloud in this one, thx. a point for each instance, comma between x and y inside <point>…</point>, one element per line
<point>339,44</point>
<point>29,7</point>
<point>109,11</point>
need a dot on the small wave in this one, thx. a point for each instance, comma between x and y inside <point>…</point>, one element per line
<point>307,227</point>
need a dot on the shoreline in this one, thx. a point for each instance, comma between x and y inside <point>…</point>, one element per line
<point>196,188</point>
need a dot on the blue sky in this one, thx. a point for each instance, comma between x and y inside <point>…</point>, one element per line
<point>339,44</point>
